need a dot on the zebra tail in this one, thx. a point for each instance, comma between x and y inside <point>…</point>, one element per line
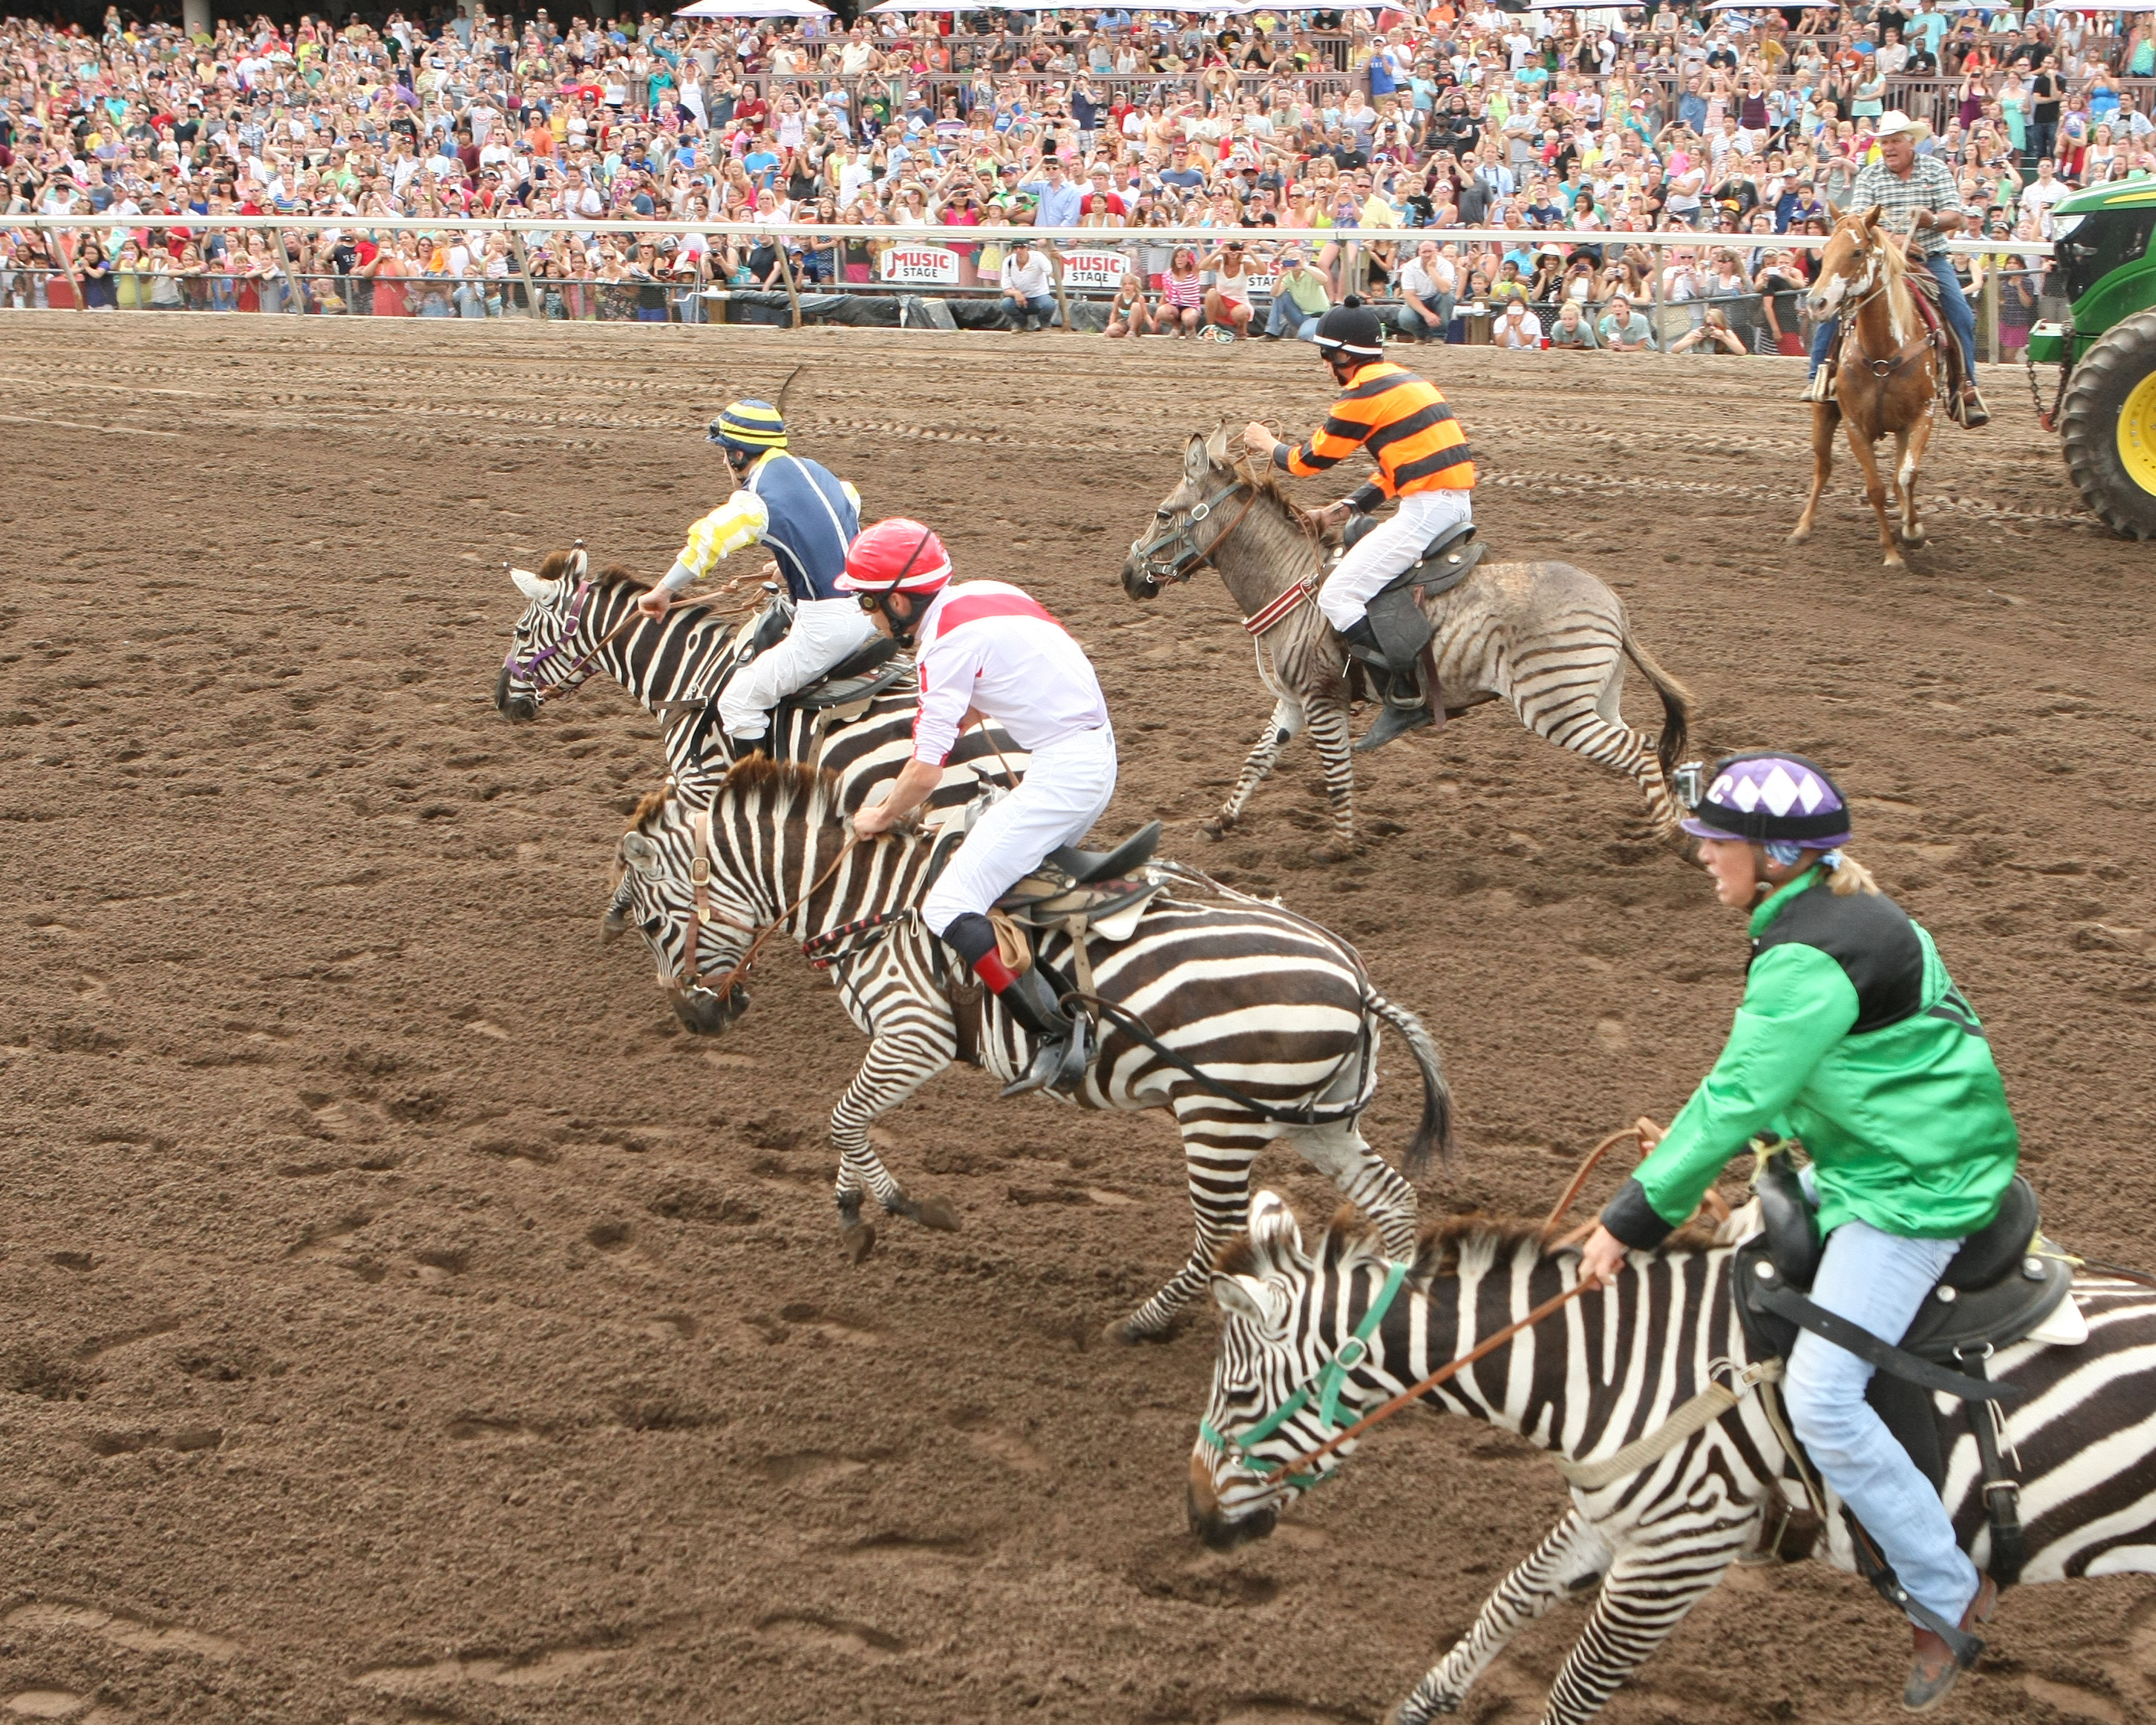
<point>1436,1130</point>
<point>1677,705</point>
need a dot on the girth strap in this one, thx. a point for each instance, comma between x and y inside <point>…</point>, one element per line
<point>1785,1302</point>
<point>2002,1491</point>
<point>1292,600</point>
<point>1695,1415</point>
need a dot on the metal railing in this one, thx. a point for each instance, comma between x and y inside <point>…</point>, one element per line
<point>580,295</point>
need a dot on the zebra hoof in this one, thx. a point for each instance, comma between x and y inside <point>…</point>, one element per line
<point>1215,828</point>
<point>859,1240</point>
<point>1128,1333</point>
<point>1332,851</point>
<point>936,1213</point>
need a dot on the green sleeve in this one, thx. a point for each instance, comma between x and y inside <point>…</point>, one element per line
<point>1798,1003</point>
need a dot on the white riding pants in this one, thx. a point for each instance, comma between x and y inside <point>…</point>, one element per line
<point>825,631</point>
<point>1388,549</point>
<point>1066,789</point>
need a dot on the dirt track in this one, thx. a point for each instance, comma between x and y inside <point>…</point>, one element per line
<point>404,1321</point>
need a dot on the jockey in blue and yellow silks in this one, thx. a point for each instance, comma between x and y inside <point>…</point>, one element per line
<point>806,517</point>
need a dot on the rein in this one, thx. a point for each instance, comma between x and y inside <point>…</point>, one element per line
<point>579,672</point>
<point>1923,341</point>
<point>690,978</point>
<point>1193,557</point>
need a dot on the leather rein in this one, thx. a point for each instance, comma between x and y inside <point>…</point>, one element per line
<point>690,978</point>
<point>1926,338</point>
<point>580,671</point>
<point>1191,556</point>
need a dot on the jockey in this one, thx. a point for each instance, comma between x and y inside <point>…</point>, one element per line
<point>987,651</point>
<point>807,518</point>
<point>1404,425</point>
<point>1916,197</point>
<point>1853,1039</point>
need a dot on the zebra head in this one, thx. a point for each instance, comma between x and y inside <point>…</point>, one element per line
<point>1172,550</point>
<point>553,610</point>
<point>1280,1384</point>
<point>694,931</point>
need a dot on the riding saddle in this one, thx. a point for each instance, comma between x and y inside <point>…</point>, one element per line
<point>853,682</point>
<point>2004,1285</point>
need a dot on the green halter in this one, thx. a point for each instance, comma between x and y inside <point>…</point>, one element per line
<point>1326,1385</point>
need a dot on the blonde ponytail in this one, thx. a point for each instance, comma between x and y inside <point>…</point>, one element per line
<point>1846,875</point>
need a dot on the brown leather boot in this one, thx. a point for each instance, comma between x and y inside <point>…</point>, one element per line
<point>1933,1673</point>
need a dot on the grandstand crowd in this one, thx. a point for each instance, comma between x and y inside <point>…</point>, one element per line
<point>1743,128</point>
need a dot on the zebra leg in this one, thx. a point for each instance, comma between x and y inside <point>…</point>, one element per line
<point>1219,1143</point>
<point>1366,1180</point>
<point>1570,714</point>
<point>1646,768</point>
<point>1570,1560</point>
<point>894,1068</point>
<point>1328,730</point>
<point>1286,721</point>
<point>1644,1595</point>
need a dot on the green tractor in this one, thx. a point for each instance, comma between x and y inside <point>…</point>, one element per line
<point>2105,412</point>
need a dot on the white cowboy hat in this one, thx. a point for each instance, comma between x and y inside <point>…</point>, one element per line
<point>1895,124</point>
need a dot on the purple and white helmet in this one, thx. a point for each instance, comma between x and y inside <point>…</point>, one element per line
<point>1765,796</point>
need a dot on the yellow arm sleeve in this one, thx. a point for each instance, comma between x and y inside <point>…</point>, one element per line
<point>736,524</point>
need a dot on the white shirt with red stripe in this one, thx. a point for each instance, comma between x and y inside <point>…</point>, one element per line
<point>987,646</point>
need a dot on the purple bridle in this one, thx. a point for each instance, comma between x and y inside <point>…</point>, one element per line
<point>578,673</point>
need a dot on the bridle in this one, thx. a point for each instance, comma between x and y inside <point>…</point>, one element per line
<point>1324,1385</point>
<point>1189,555</point>
<point>579,673</point>
<point>1878,280</point>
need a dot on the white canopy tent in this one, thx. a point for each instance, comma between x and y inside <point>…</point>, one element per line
<point>755,9</point>
<point>899,8</point>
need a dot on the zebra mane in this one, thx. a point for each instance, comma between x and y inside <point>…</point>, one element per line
<point>787,782</point>
<point>555,566</point>
<point>1446,1247</point>
<point>649,805</point>
<point>1266,484</point>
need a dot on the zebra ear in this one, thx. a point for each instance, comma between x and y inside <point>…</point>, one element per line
<point>641,852</point>
<point>1273,1229</point>
<point>1244,1296</point>
<point>1216,447</point>
<point>535,588</point>
<point>1195,461</point>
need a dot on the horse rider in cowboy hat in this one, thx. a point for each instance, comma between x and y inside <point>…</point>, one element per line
<point>1917,197</point>
<point>807,517</point>
<point>987,651</point>
<point>1403,424</point>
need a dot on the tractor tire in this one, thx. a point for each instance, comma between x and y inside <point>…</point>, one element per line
<point>2107,426</point>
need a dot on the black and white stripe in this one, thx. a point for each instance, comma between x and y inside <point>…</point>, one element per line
<point>1265,1001</point>
<point>675,667</point>
<point>1609,1368</point>
<point>1546,637</point>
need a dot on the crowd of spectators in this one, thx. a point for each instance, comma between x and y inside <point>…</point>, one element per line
<point>1745,129</point>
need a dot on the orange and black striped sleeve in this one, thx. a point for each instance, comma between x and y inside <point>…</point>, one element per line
<point>1401,423</point>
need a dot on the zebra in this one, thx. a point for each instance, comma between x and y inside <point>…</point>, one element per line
<point>1279,1009</point>
<point>1547,637</point>
<point>673,666</point>
<point>1604,1372</point>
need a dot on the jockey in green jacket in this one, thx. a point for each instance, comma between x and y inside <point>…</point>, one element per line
<point>1852,1039</point>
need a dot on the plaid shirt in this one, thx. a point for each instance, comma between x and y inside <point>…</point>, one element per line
<point>1930,186</point>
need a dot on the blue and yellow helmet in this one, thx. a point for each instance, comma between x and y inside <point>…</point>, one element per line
<point>752,427</point>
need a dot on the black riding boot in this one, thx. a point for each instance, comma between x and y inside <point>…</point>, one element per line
<point>1061,1056</point>
<point>743,748</point>
<point>1406,707</point>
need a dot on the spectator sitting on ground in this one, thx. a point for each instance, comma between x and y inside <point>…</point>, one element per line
<point>1572,328</point>
<point>1518,327</point>
<point>1622,330</point>
<point>1130,313</point>
<point>1300,299</point>
<point>1227,300</point>
<point>1026,284</point>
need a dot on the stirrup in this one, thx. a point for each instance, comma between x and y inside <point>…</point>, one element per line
<point>1058,1064</point>
<point>1394,722</point>
<point>1970,410</point>
<point>1820,386</point>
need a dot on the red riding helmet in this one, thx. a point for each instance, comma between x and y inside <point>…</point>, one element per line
<point>896,555</point>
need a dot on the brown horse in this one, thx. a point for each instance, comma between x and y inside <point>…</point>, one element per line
<point>1886,374</point>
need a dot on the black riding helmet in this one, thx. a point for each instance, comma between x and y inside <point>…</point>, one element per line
<point>1351,328</point>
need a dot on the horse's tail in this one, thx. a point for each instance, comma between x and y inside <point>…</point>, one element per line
<point>1435,1130</point>
<point>1676,705</point>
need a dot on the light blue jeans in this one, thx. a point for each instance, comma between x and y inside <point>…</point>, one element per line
<point>1878,1280</point>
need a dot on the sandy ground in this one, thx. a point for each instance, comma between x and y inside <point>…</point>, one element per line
<point>404,1321</point>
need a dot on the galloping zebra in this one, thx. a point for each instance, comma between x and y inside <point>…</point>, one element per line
<point>675,665</point>
<point>1603,1373</point>
<point>1546,637</point>
<point>1274,1005</point>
